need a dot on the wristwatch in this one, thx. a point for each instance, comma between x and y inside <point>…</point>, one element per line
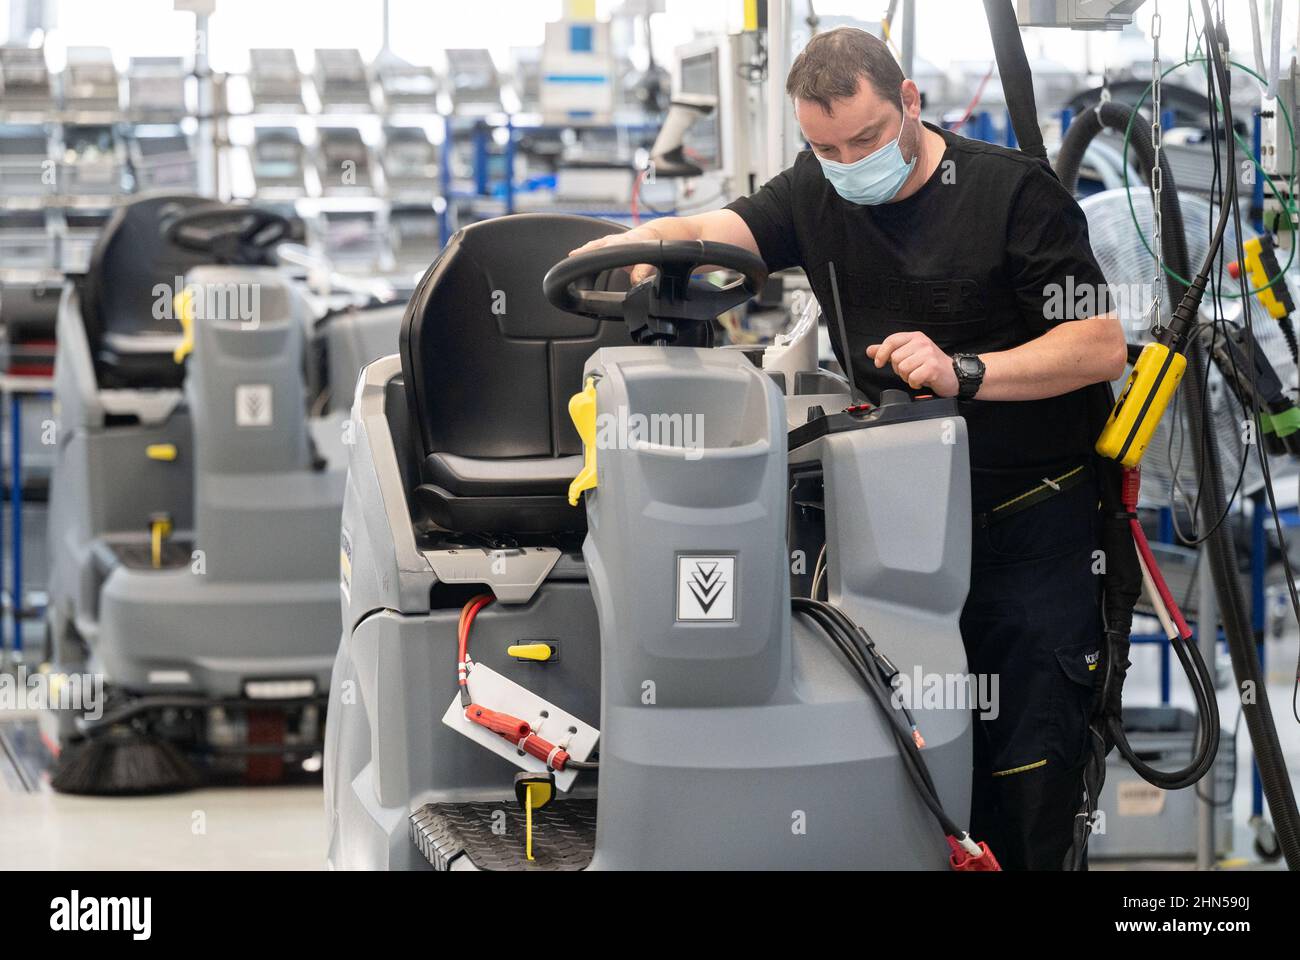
<point>970,374</point>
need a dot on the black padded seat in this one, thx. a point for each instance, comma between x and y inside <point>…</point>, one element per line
<point>130,333</point>
<point>489,367</point>
<point>524,476</point>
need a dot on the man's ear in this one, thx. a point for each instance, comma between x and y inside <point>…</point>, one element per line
<point>911,96</point>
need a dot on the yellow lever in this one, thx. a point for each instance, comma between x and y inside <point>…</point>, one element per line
<point>1257,273</point>
<point>582,410</point>
<point>1133,420</point>
<point>183,304</point>
<point>533,791</point>
<point>160,528</point>
<point>530,651</point>
<point>528,820</point>
<point>161,451</point>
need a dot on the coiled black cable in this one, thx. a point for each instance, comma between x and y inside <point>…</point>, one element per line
<point>874,669</point>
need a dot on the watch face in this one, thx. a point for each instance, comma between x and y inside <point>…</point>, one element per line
<point>970,366</point>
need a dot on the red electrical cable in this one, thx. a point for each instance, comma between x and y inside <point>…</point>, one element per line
<point>517,731</point>
<point>636,198</point>
<point>1162,588</point>
<point>467,615</point>
<point>1129,494</point>
<point>975,101</point>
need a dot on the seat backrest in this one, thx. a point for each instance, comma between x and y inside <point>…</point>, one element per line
<point>133,274</point>
<point>130,258</point>
<point>489,364</point>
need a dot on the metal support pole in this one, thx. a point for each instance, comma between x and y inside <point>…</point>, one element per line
<point>205,136</point>
<point>908,46</point>
<point>778,65</point>
<point>1259,619</point>
<point>16,508</point>
<point>1207,637</point>
<point>4,636</point>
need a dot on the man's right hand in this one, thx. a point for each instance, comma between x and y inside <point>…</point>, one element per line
<point>721,226</point>
<point>644,234</point>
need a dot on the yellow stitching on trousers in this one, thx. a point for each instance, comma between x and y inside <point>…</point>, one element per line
<point>1031,492</point>
<point>1019,769</point>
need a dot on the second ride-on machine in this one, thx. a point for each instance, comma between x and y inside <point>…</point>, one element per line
<point>193,515</point>
<point>574,539</point>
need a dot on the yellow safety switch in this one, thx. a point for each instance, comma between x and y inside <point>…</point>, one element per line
<point>582,410</point>
<point>531,651</point>
<point>183,304</point>
<point>160,528</point>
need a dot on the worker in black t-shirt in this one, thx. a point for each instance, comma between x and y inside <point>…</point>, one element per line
<point>961,267</point>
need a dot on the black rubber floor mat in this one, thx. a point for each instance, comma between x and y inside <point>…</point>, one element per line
<point>564,835</point>
<point>139,556</point>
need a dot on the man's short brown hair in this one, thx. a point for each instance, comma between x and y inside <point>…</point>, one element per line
<point>833,63</point>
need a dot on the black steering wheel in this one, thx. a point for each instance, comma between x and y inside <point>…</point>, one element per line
<point>231,234</point>
<point>665,307</point>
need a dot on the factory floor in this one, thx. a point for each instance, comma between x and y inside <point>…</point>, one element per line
<point>283,828</point>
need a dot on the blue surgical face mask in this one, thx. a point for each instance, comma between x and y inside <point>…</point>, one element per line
<point>874,179</point>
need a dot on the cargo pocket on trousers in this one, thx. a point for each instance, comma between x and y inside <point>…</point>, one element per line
<point>1072,702</point>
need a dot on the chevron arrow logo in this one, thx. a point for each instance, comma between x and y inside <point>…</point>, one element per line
<point>705,588</point>
<point>706,583</point>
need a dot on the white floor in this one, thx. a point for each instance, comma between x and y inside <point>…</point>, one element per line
<point>272,828</point>
<point>1143,687</point>
<point>279,828</point>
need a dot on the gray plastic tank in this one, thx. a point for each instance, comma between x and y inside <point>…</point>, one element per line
<point>730,736</point>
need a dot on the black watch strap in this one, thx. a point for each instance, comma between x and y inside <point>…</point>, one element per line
<point>969,369</point>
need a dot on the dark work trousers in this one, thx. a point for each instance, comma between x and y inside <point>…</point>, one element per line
<point>1033,621</point>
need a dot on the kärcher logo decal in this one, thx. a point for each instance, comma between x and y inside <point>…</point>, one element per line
<point>706,588</point>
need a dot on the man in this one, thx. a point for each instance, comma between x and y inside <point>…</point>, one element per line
<point>951,256</point>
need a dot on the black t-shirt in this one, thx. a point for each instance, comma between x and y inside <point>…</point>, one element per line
<point>970,260</point>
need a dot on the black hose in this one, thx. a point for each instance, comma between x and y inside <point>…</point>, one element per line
<point>1174,245</point>
<point>1017,79</point>
<point>1221,551</point>
<point>1227,580</point>
<point>858,648</point>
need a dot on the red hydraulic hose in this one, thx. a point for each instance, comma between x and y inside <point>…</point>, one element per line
<point>467,615</point>
<point>1132,484</point>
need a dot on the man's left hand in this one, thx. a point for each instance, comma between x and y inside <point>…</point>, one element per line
<point>917,360</point>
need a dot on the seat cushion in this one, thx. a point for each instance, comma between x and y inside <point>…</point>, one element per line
<point>518,476</point>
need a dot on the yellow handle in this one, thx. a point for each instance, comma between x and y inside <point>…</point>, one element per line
<point>183,303</point>
<point>160,529</point>
<point>537,794</point>
<point>1258,276</point>
<point>582,410</point>
<point>1139,408</point>
<point>161,451</point>
<point>530,651</point>
<point>528,821</point>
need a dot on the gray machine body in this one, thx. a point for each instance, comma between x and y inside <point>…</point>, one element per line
<point>254,595</point>
<point>744,742</point>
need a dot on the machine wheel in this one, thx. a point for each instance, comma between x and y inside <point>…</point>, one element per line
<point>1266,845</point>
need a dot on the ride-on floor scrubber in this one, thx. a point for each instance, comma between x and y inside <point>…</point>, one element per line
<point>193,520</point>
<point>508,694</point>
